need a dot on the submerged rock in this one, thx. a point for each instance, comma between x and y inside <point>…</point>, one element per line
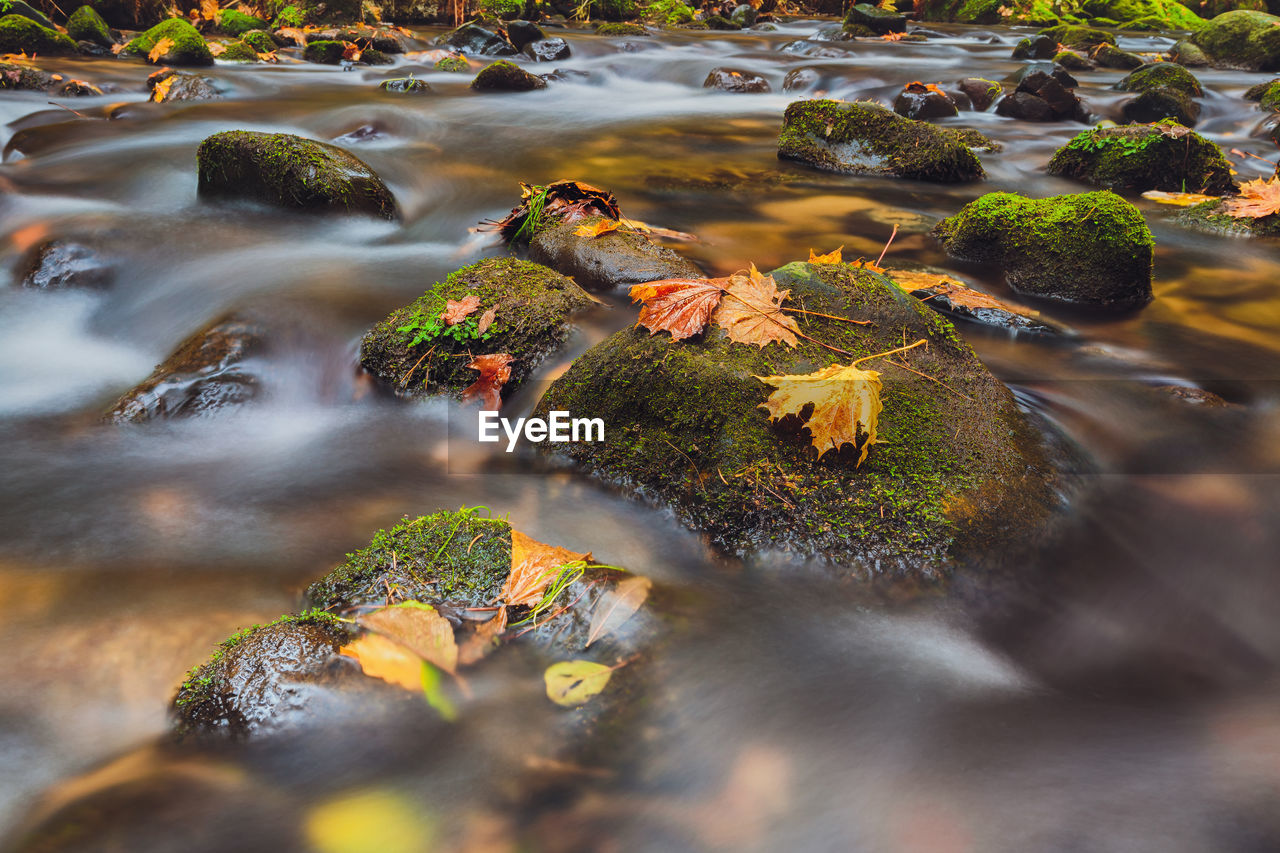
<point>618,30</point>
<point>865,138</point>
<point>735,80</point>
<point>1092,248</point>
<point>1035,47</point>
<point>1166,91</point>
<point>611,260</point>
<point>1211,216</point>
<point>405,86</point>
<point>65,264</point>
<point>87,25</point>
<point>503,76</point>
<point>951,475</point>
<point>1137,158</point>
<point>981,92</point>
<point>943,294</point>
<point>418,354</point>
<point>453,65</point>
<point>1041,96</point>
<point>1110,56</point>
<point>292,172</point>
<point>801,80</point>
<point>1242,39</point>
<point>186,45</point>
<point>20,34</point>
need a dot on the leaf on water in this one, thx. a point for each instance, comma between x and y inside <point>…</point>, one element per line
<point>160,49</point>
<point>483,639</point>
<point>595,229</point>
<point>833,257</point>
<point>495,370</point>
<point>386,659</point>
<point>419,628</point>
<point>572,683</point>
<point>619,605</point>
<point>751,313</point>
<point>1257,199</point>
<point>943,286</point>
<point>486,319</point>
<point>1179,199</point>
<point>534,565</point>
<point>846,401</point>
<point>455,311</point>
<point>681,306</point>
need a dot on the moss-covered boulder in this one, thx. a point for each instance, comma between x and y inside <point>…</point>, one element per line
<point>235,23</point>
<point>325,51</point>
<point>1212,217</point>
<point>1145,15</point>
<point>1035,47</point>
<point>503,76</point>
<point>865,138</point>
<point>1136,158</point>
<point>238,51</point>
<point>1242,39</point>
<point>1188,54</point>
<point>1166,90</point>
<point>953,473</point>
<point>186,45</point>
<point>1038,13</point>
<point>289,171</point>
<point>87,25</point>
<point>417,353</point>
<point>20,7</point>
<point>1266,94</point>
<point>1092,248</point>
<point>1110,56</point>
<point>1162,75</point>
<point>20,34</point>
<point>1078,37</point>
<point>615,259</point>
<point>617,30</point>
<point>259,40</point>
<point>877,20</point>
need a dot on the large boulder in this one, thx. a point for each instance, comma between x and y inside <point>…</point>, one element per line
<point>1242,39</point>
<point>186,45</point>
<point>1091,248</point>
<point>878,21</point>
<point>955,472</point>
<point>26,10</point>
<point>416,352</point>
<point>611,260</point>
<point>292,172</point>
<point>1166,91</point>
<point>20,34</point>
<point>865,138</point>
<point>504,76</point>
<point>1141,157</point>
<point>87,25</point>
<point>473,39</point>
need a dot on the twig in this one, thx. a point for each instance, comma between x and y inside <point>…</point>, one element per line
<point>404,380</point>
<point>889,352</point>
<point>930,378</point>
<point>557,613</point>
<point>885,250</point>
<point>828,316</point>
<point>68,109</point>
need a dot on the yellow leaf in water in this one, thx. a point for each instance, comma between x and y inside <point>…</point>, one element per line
<point>595,229</point>
<point>419,628</point>
<point>845,401</point>
<point>160,49</point>
<point>370,821</point>
<point>617,606</point>
<point>574,682</point>
<point>386,659</point>
<point>1179,199</point>
<point>828,258</point>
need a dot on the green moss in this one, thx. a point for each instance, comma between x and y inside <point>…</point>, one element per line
<point>453,65</point>
<point>1162,75</point>
<point>863,137</point>
<point>405,86</point>
<point>506,10</point>
<point>668,13</point>
<point>1109,56</point>
<point>1080,37</point>
<point>238,51</point>
<point>412,349</point>
<point>878,21</point>
<point>1211,217</point>
<point>235,23</point>
<point>1072,61</point>
<point>1033,12</point>
<point>87,25</point>
<point>1242,39</point>
<point>614,10</point>
<point>259,40</point>
<point>188,46</point>
<point>1164,156</point>
<point>1146,15</point>
<point>459,558</point>
<point>621,30</point>
<point>1270,99</point>
<point>289,16</point>
<point>325,51</point>
<point>1092,248</point>
<point>20,34</point>
<point>504,76</point>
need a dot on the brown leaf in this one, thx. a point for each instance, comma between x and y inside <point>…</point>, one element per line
<point>495,370</point>
<point>954,291</point>
<point>1257,199</point>
<point>160,49</point>
<point>483,639</point>
<point>455,311</point>
<point>209,9</point>
<point>1178,199</point>
<point>382,658</point>
<point>829,258</point>
<point>869,266</point>
<point>419,628</point>
<point>681,306</point>
<point>845,400</point>
<point>534,565</point>
<point>351,52</point>
<point>595,229</point>
<point>299,36</point>
<point>619,605</point>
<point>486,319</point>
<point>217,48</point>
<point>161,90</point>
<point>750,311</point>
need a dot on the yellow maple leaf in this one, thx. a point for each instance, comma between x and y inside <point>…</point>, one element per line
<point>1179,199</point>
<point>751,311</point>
<point>595,229</point>
<point>845,399</point>
<point>1257,199</point>
<point>161,90</point>
<point>832,257</point>
<point>160,49</point>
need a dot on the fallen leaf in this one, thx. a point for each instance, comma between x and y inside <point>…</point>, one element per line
<point>941,285</point>
<point>160,49</point>
<point>619,605</point>
<point>1257,199</point>
<point>595,229</point>
<point>917,88</point>
<point>574,682</point>
<point>751,313</point>
<point>161,90</point>
<point>869,266</point>
<point>681,306</point>
<point>209,9</point>
<point>483,639</point>
<point>1179,199</point>
<point>657,231</point>
<point>217,48</point>
<point>386,659</point>
<point>495,370</point>
<point>829,258</point>
<point>486,320</point>
<point>419,628</point>
<point>351,52</point>
<point>845,400</point>
<point>455,311</point>
<point>893,36</point>
<point>534,565</point>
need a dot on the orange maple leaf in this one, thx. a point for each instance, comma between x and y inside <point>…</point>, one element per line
<point>845,399</point>
<point>918,88</point>
<point>495,370</point>
<point>1257,199</point>
<point>751,311</point>
<point>869,266</point>
<point>833,257</point>
<point>161,90</point>
<point>160,49</point>
<point>386,659</point>
<point>681,306</point>
<point>893,36</point>
<point>534,565</point>
<point>455,311</point>
<point>595,229</point>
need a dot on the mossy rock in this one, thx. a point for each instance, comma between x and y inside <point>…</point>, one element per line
<point>18,7</point>
<point>183,87</point>
<point>475,40</point>
<point>405,86</point>
<point>1162,75</point>
<point>453,65</point>
<point>1080,37</point>
<point>1143,15</point>
<point>235,23</point>
<point>292,172</point>
<point>1212,218</point>
<point>1137,158</point>
<point>879,21</point>
<point>187,45</point>
<point>1090,249</point>
<point>1242,39</point>
<point>1110,56</point>
<point>1035,47</point>
<point>325,51</point>
<point>1072,61</point>
<point>1038,13</point>
<point>1269,98</point>
<point>951,475</point>
<point>238,51</point>
<point>259,40</point>
<point>614,10</point>
<point>289,16</point>
<point>284,13</point>
<point>24,78</point>
<point>535,306</point>
<point>503,76</point>
<point>1188,54</point>
<point>621,29</point>
<point>615,259</point>
<point>263,679</point>
<point>1159,104</point>
<point>865,138</point>
<point>20,34</point>
<point>87,25</point>
<point>718,22</point>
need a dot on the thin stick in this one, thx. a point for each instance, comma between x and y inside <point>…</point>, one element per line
<point>68,109</point>
<point>828,316</point>
<point>885,250</point>
<point>404,380</point>
<point>777,322</point>
<point>920,342</point>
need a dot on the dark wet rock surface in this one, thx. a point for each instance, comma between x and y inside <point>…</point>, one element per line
<point>613,260</point>
<point>1043,97</point>
<point>57,264</point>
<point>735,80</point>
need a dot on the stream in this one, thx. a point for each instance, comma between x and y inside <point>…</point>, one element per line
<point>1118,695</point>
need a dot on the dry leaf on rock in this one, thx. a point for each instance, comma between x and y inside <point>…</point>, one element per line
<point>419,628</point>
<point>833,257</point>
<point>681,306</point>
<point>534,565</point>
<point>595,229</point>
<point>486,320</point>
<point>386,659</point>
<point>495,370</point>
<point>751,312</point>
<point>484,639</point>
<point>1257,199</point>
<point>160,49</point>
<point>846,401</point>
<point>455,311</point>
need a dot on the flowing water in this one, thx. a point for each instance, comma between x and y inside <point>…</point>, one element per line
<point>1118,694</point>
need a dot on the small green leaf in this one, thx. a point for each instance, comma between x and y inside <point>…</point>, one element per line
<point>574,682</point>
<point>433,690</point>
